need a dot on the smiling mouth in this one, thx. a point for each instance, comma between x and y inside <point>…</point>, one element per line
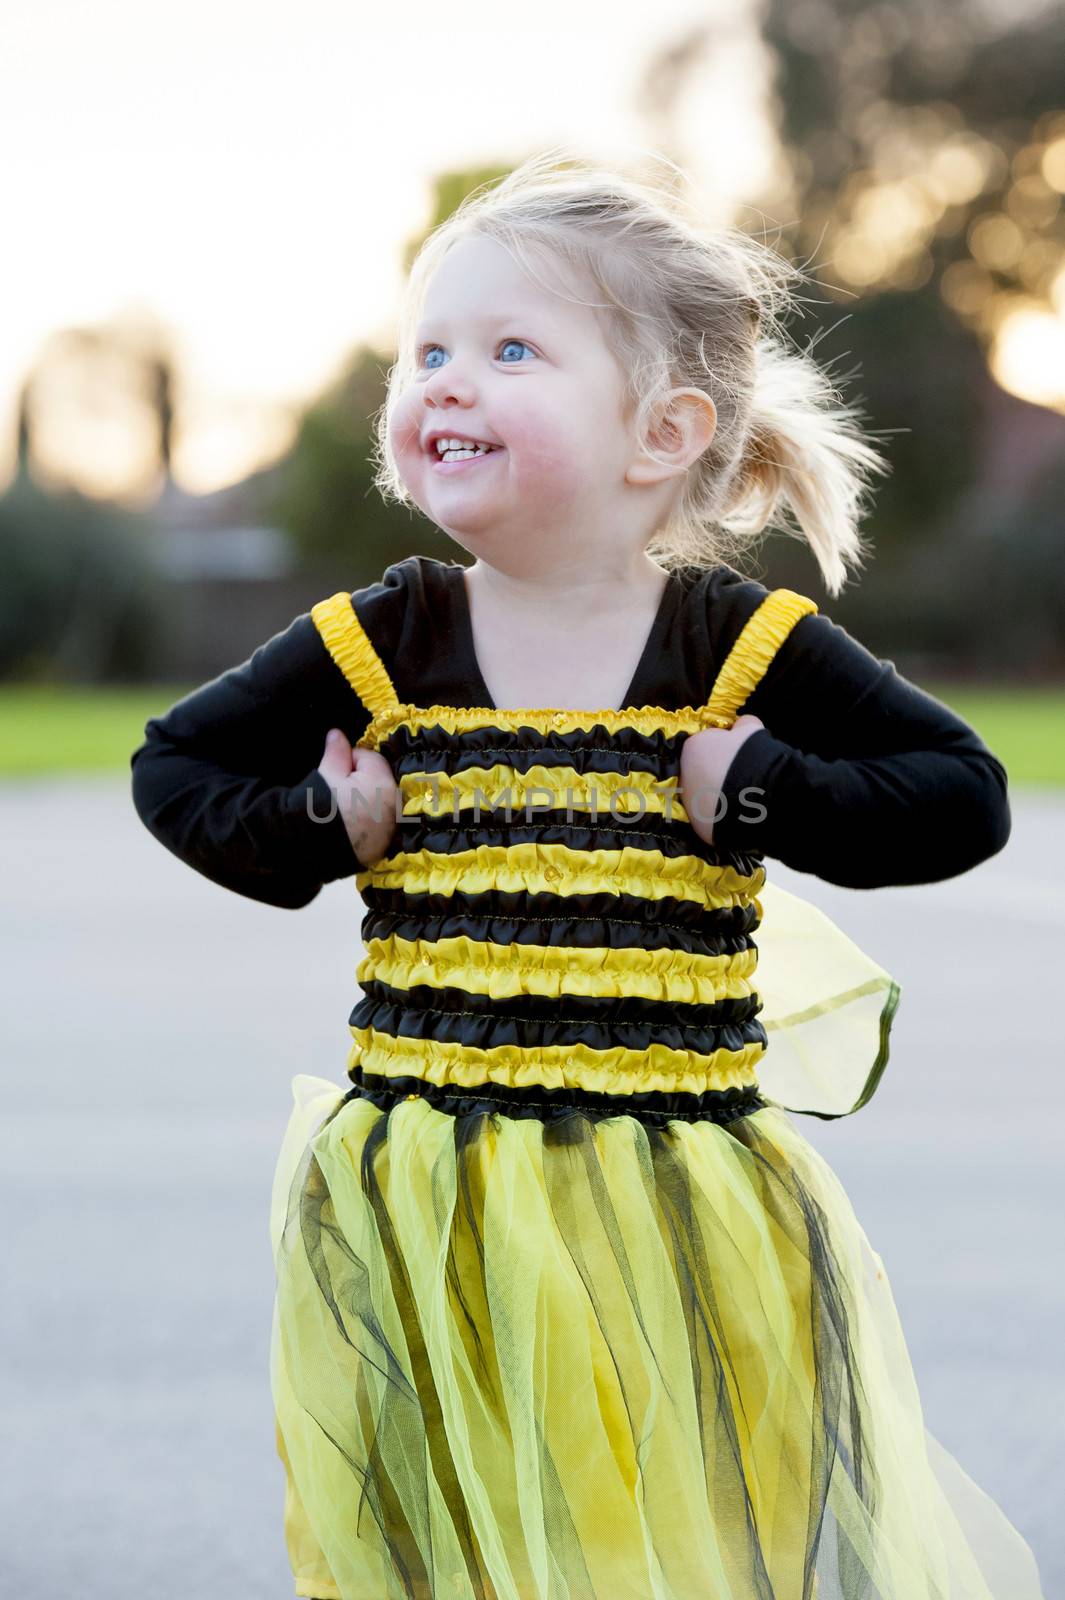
<point>441,464</point>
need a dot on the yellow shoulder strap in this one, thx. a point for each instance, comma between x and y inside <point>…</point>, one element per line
<point>747,662</point>
<point>349,645</point>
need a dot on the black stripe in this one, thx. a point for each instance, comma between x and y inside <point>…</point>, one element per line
<point>568,824</point>
<point>537,1022</point>
<point>589,760</point>
<point>621,920</point>
<point>552,1105</point>
<point>434,744</point>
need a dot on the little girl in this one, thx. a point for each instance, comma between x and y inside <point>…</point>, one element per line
<point>567,1308</point>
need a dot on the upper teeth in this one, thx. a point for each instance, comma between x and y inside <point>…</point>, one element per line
<point>443,445</point>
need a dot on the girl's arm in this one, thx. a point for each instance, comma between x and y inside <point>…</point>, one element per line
<point>222,779</point>
<point>865,779</point>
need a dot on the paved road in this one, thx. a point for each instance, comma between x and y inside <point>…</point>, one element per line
<point>152,1026</point>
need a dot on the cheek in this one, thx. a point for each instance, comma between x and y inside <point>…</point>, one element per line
<point>544,451</point>
<point>404,431</point>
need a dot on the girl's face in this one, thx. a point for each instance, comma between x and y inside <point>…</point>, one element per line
<point>501,360</point>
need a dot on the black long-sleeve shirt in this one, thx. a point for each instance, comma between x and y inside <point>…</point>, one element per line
<point>858,776</point>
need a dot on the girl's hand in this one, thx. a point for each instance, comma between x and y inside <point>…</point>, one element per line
<point>365,790</point>
<point>705,757</point>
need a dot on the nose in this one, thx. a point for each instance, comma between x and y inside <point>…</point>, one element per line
<point>447,385</point>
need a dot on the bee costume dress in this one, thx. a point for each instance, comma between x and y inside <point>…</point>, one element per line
<point>567,1308</point>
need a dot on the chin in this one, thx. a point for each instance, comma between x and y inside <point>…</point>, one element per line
<point>473,533</point>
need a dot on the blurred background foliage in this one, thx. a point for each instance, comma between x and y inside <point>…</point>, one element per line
<point>80,598</point>
<point>924,151</point>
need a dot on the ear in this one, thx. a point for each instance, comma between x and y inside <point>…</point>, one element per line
<point>679,437</point>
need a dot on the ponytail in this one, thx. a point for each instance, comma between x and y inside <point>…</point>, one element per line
<point>804,465</point>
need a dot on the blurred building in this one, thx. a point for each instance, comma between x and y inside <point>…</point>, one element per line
<point>231,575</point>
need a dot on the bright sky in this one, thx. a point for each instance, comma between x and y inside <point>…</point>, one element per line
<point>249,172</point>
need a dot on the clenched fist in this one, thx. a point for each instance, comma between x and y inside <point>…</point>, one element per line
<point>365,793</point>
<point>705,757</point>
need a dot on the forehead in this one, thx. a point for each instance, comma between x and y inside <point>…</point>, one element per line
<point>479,283</point>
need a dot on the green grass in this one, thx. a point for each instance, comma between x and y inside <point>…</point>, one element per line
<point>51,730</point>
<point>1025,728</point>
<point>54,730</point>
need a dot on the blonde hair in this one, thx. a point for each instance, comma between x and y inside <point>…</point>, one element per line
<point>685,306</point>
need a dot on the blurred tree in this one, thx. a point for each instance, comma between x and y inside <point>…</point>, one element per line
<point>161,380</point>
<point>449,190</point>
<point>103,407</point>
<point>79,598</point>
<point>24,428</point>
<point>327,501</point>
<point>922,136</point>
<point>921,152</point>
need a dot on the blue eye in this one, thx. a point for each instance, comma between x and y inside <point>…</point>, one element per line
<point>521,342</point>
<point>425,350</point>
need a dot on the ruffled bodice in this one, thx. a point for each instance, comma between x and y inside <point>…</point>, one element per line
<point>547,928</point>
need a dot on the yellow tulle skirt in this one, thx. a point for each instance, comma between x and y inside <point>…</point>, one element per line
<point>583,1359</point>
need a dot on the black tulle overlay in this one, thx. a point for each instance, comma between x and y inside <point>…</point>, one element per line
<point>589,1357</point>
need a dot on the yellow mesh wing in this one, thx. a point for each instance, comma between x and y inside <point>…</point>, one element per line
<point>827,1008</point>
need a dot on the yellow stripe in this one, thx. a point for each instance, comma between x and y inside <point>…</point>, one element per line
<point>561,788</point>
<point>457,720</point>
<point>539,868</point>
<point>748,660</point>
<point>572,1066</point>
<point>350,647</point>
<point>503,971</point>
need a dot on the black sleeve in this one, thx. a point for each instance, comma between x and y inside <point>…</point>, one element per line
<point>227,778</point>
<point>859,776</point>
